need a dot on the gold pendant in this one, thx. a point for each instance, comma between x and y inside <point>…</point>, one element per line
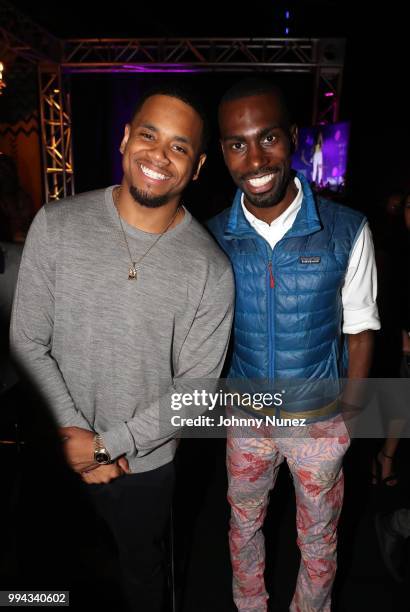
<point>132,272</point>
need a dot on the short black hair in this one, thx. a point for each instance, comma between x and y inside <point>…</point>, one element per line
<point>186,94</point>
<point>253,86</point>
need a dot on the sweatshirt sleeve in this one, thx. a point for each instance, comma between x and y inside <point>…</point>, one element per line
<point>202,356</point>
<point>32,323</point>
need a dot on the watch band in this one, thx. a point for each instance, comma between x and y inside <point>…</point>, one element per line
<point>101,454</point>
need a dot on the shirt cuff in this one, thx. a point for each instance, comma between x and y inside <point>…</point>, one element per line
<point>356,321</point>
<point>118,441</point>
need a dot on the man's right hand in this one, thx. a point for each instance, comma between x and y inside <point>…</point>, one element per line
<point>105,473</point>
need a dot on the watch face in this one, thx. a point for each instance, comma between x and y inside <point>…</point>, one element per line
<point>102,457</point>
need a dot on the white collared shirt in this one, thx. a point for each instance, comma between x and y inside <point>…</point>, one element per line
<point>359,290</point>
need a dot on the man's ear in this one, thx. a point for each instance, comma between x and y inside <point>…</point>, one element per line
<point>199,165</point>
<point>294,138</point>
<point>127,132</point>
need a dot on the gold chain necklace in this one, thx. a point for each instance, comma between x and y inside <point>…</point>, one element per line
<point>132,269</point>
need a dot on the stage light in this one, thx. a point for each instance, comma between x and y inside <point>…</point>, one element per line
<point>2,82</point>
<point>329,94</point>
<point>287,18</point>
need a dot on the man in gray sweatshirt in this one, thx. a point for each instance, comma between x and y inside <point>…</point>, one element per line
<point>119,289</point>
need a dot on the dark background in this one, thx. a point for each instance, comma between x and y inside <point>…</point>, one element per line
<point>51,537</point>
<point>374,96</point>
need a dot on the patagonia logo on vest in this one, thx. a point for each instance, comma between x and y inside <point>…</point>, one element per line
<point>310,260</point>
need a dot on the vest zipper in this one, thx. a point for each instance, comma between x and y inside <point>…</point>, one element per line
<point>272,280</point>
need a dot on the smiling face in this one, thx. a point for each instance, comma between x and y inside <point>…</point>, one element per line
<point>257,146</point>
<point>161,150</point>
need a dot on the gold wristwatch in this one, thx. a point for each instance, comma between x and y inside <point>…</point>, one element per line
<point>101,454</point>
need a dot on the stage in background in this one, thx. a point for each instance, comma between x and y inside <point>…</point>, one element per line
<point>321,155</point>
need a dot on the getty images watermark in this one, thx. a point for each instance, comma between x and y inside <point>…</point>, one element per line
<point>222,399</point>
<point>367,408</point>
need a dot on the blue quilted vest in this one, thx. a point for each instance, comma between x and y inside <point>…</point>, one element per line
<point>288,314</point>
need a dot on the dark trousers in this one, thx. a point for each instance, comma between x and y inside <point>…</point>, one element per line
<point>136,508</point>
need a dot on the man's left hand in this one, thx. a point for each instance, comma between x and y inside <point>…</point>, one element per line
<point>103,474</point>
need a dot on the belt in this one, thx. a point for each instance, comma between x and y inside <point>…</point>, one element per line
<point>327,410</point>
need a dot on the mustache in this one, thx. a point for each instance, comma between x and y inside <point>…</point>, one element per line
<point>266,170</point>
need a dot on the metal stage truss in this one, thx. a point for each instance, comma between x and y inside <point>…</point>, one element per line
<point>57,59</point>
<point>55,125</point>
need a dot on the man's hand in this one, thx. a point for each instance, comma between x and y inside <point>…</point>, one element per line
<point>78,446</point>
<point>105,473</point>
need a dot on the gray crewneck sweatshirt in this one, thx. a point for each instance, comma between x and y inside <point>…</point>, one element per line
<point>95,343</point>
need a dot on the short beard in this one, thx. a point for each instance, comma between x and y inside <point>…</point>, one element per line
<point>146,199</point>
<point>271,199</point>
<point>266,201</point>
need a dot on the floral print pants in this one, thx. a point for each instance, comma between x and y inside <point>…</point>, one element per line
<point>315,463</point>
